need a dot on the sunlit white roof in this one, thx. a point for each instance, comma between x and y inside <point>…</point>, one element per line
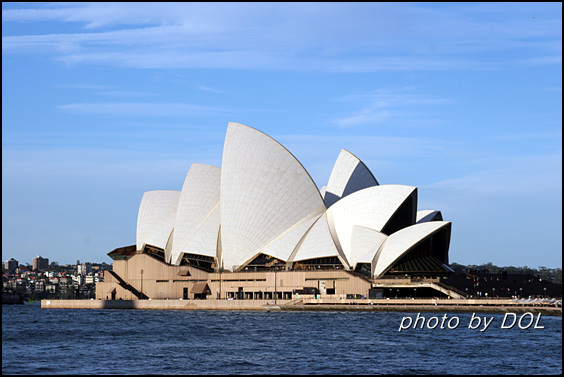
<point>428,215</point>
<point>371,207</point>
<point>264,192</point>
<point>402,241</point>
<point>349,175</point>
<point>198,199</point>
<point>263,201</point>
<point>205,238</point>
<point>365,242</point>
<point>283,245</point>
<point>318,243</point>
<point>156,216</point>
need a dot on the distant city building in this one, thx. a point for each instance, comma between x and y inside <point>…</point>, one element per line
<point>84,268</point>
<point>40,263</point>
<point>79,279</point>
<point>40,286</point>
<point>65,280</point>
<point>11,265</point>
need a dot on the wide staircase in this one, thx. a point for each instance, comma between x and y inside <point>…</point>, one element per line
<point>444,289</point>
<point>129,287</point>
<point>457,292</point>
<point>410,282</point>
<point>359,275</point>
<point>297,301</point>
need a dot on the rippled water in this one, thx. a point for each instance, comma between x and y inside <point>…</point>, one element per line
<point>48,341</point>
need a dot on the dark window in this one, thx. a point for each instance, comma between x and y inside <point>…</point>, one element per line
<point>264,262</point>
<point>332,263</point>
<point>199,261</point>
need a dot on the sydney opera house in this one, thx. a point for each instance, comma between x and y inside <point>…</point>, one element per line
<point>258,227</point>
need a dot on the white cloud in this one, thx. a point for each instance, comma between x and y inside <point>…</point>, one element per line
<point>208,89</point>
<point>392,160</point>
<point>521,175</point>
<point>334,37</point>
<point>138,109</point>
<point>388,105</point>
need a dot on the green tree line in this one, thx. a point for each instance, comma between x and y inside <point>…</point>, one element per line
<point>554,275</point>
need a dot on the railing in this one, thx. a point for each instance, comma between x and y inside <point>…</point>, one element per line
<point>129,287</point>
<point>426,280</point>
<point>392,281</point>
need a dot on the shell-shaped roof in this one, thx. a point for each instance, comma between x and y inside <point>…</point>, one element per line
<point>428,215</point>
<point>283,246</point>
<point>365,242</point>
<point>199,197</point>
<point>205,238</point>
<point>318,243</point>
<point>155,220</point>
<point>371,207</point>
<point>349,175</point>
<point>265,202</point>
<point>402,241</point>
<point>264,192</point>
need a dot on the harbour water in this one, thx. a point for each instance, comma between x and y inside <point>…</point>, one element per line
<point>81,341</point>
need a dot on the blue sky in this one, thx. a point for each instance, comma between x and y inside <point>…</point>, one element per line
<point>104,101</point>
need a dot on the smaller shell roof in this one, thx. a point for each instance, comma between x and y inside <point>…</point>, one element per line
<point>283,245</point>
<point>204,239</point>
<point>365,242</point>
<point>155,220</point>
<point>349,175</point>
<point>428,215</point>
<point>402,241</point>
<point>372,207</point>
<point>318,243</point>
<point>198,199</point>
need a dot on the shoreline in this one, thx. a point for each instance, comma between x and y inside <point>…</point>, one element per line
<point>422,305</point>
<point>427,308</point>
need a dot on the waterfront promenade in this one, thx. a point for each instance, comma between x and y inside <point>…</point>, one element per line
<point>408,305</point>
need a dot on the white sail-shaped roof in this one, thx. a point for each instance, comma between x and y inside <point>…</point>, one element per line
<point>264,192</point>
<point>283,246</point>
<point>428,215</point>
<point>199,198</point>
<point>349,175</point>
<point>318,243</point>
<point>371,207</point>
<point>365,242</point>
<point>265,202</point>
<point>205,238</point>
<point>155,220</point>
<point>402,241</point>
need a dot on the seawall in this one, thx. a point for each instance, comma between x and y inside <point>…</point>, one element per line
<point>159,304</point>
<point>403,305</point>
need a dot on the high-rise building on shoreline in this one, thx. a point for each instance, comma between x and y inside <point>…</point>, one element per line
<point>259,227</point>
